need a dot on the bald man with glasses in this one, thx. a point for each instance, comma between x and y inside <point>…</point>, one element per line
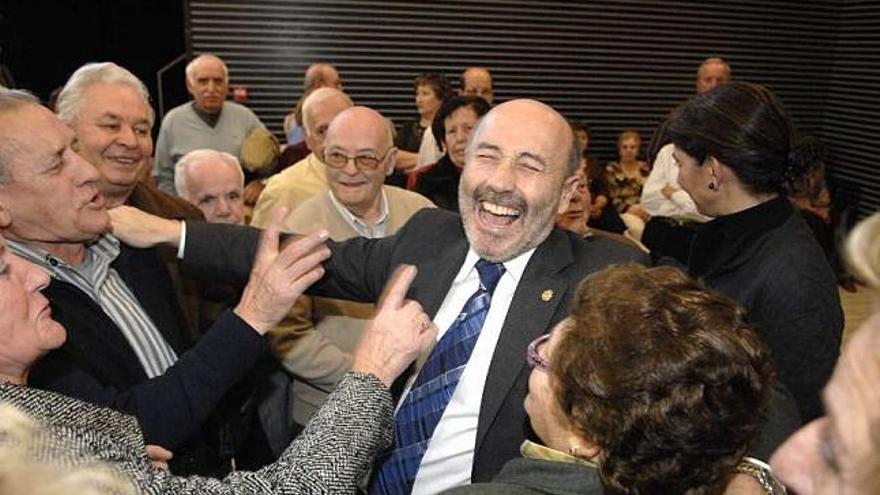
<point>317,338</point>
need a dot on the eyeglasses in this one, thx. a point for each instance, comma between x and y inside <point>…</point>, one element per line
<point>533,358</point>
<point>338,159</point>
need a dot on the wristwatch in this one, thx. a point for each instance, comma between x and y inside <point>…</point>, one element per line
<point>762,473</point>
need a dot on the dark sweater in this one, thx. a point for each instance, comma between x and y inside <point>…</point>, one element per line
<point>767,259</point>
<point>439,183</point>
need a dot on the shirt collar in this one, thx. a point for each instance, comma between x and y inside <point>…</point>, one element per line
<point>105,248</point>
<point>514,267</point>
<point>358,224</point>
<point>532,450</point>
<point>209,118</point>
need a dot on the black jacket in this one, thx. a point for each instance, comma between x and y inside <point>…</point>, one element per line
<point>439,183</point>
<point>96,364</point>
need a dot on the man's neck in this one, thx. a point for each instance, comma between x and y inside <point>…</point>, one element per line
<point>210,118</point>
<point>73,254</point>
<point>369,213</point>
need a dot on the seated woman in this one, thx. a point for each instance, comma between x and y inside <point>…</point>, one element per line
<point>652,385</point>
<point>452,128</point>
<point>578,213</point>
<point>417,148</point>
<point>331,456</point>
<point>625,178</point>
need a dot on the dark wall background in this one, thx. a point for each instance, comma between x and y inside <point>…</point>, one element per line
<point>45,41</point>
<point>614,64</point>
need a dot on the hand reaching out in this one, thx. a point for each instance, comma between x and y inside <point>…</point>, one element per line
<point>140,229</point>
<point>280,276</point>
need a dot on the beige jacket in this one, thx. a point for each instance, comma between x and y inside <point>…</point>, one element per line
<point>316,339</point>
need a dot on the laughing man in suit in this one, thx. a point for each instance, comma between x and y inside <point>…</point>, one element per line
<point>519,174</point>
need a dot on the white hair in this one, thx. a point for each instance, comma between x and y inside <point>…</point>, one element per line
<point>70,98</point>
<point>11,100</point>
<point>191,67</point>
<point>317,96</point>
<point>181,168</point>
<point>35,461</point>
<point>863,250</point>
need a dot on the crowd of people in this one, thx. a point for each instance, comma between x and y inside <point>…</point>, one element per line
<point>466,303</point>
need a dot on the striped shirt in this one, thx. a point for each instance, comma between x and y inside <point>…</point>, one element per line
<point>102,284</point>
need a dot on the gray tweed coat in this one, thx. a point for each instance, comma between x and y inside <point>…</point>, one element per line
<point>332,454</point>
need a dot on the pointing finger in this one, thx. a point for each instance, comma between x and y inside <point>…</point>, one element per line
<point>395,290</point>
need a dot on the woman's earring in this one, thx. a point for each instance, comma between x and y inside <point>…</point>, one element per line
<point>573,450</point>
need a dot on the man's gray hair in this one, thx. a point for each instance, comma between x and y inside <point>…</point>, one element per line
<point>11,100</point>
<point>70,99</point>
<point>181,168</point>
<point>191,66</point>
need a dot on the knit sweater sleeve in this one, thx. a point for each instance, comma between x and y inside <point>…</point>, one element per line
<point>332,455</point>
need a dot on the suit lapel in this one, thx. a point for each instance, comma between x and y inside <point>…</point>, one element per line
<point>438,267</point>
<point>539,297</point>
<point>93,339</point>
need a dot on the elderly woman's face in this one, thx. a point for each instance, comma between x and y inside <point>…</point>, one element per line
<point>27,330</point>
<point>840,453</point>
<point>544,412</point>
<point>459,125</point>
<point>575,218</point>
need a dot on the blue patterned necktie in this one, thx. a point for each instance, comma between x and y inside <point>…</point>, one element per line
<point>421,410</point>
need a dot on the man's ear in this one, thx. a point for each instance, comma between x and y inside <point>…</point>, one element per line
<point>189,87</point>
<point>567,190</point>
<point>391,161</point>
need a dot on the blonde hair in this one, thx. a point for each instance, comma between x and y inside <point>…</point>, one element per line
<point>863,251</point>
<point>24,470</point>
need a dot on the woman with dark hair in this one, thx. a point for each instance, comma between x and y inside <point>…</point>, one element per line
<point>418,148</point>
<point>452,128</point>
<point>738,154</point>
<point>652,385</point>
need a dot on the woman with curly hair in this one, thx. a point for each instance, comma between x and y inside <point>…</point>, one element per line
<point>653,385</point>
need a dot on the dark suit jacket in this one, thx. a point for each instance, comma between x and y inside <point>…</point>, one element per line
<point>434,241</point>
<point>96,363</point>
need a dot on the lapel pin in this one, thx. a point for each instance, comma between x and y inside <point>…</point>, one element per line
<point>547,295</point>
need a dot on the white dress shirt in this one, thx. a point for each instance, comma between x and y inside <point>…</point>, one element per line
<point>448,461</point>
<point>665,172</point>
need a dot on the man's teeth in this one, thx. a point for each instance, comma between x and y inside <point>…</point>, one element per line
<point>127,161</point>
<point>499,210</point>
